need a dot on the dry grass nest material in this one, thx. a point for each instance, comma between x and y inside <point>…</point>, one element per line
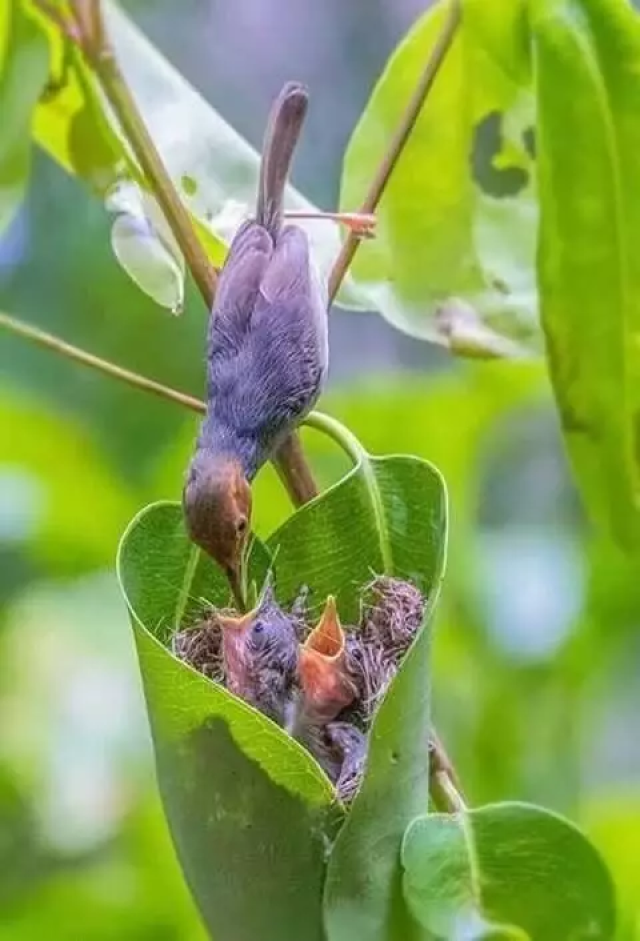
<point>391,613</point>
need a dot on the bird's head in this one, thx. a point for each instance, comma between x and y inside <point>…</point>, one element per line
<point>258,645</point>
<point>217,508</point>
<point>325,680</point>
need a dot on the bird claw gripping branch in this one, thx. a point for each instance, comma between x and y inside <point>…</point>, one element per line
<point>267,353</point>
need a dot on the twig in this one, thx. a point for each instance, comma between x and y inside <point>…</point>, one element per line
<point>51,342</point>
<point>100,56</point>
<point>293,470</point>
<point>290,462</point>
<point>444,786</point>
<point>398,142</point>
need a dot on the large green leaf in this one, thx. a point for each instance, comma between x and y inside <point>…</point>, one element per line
<point>506,871</point>
<point>387,515</point>
<point>23,73</point>
<point>458,218</point>
<point>247,806</point>
<point>588,89</point>
<point>213,167</point>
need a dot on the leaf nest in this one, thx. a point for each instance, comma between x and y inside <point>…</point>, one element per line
<point>325,694</point>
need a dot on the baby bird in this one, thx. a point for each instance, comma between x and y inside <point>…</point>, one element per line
<point>267,353</point>
<point>326,684</point>
<point>260,656</point>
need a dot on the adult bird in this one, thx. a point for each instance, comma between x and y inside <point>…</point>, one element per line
<point>267,353</point>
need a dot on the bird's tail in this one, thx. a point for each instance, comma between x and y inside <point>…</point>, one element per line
<point>283,130</point>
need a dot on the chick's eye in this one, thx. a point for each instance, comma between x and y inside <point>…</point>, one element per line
<point>241,526</point>
<point>259,634</point>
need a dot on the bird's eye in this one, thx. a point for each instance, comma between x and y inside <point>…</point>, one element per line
<point>241,526</point>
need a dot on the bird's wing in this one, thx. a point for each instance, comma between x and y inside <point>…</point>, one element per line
<point>287,276</point>
<point>238,287</point>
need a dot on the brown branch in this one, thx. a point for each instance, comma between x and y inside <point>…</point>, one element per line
<point>444,786</point>
<point>54,343</point>
<point>100,56</point>
<point>398,142</point>
<point>290,461</point>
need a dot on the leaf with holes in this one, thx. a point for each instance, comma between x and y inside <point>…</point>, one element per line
<point>587,89</point>
<point>506,871</point>
<point>246,804</point>
<point>454,258</point>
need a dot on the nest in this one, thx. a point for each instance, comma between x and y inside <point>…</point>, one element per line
<point>392,612</point>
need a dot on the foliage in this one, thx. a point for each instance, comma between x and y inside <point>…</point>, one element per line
<point>528,89</point>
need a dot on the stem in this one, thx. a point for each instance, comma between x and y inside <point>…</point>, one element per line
<point>444,787</point>
<point>398,142</point>
<point>338,433</point>
<point>290,460</point>
<point>293,470</point>
<point>51,342</point>
<point>361,224</point>
<point>100,55</point>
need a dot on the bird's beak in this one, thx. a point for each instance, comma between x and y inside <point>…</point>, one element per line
<point>327,637</point>
<point>237,586</point>
<point>324,677</point>
<point>236,625</point>
<point>234,632</point>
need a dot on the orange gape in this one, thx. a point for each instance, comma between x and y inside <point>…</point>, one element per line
<point>325,681</point>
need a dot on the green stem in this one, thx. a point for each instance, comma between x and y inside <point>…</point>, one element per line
<point>339,433</point>
<point>398,142</point>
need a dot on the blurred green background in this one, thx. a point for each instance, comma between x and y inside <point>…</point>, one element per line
<point>537,644</point>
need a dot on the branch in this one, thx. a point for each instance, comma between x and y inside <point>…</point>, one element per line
<point>51,342</point>
<point>89,24</point>
<point>100,56</point>
<point>398,142</point>
<point>444,786</point>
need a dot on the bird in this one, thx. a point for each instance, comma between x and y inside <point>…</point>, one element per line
<point>267,353</point>
<point>325,684</point>
<point>260,652</point>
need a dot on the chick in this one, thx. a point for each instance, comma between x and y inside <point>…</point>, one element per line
<point>326,684</point>
<point>267,353</point>
<point>260,656</point>
<point>349,747</point>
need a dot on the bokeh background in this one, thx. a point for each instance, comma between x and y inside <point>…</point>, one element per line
<point>537,647</point>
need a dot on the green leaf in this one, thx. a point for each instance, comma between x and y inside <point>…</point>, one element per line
<point>75,130</point>
<point>587,89</point>
<point>388,515</point>
<point>506,871</point>
<point>248,807</point>
<point>23,73</point>
<point>458,218</point>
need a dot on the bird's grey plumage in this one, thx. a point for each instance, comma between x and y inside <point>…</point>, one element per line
<point>261,665</point>
<point>267,343</point>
